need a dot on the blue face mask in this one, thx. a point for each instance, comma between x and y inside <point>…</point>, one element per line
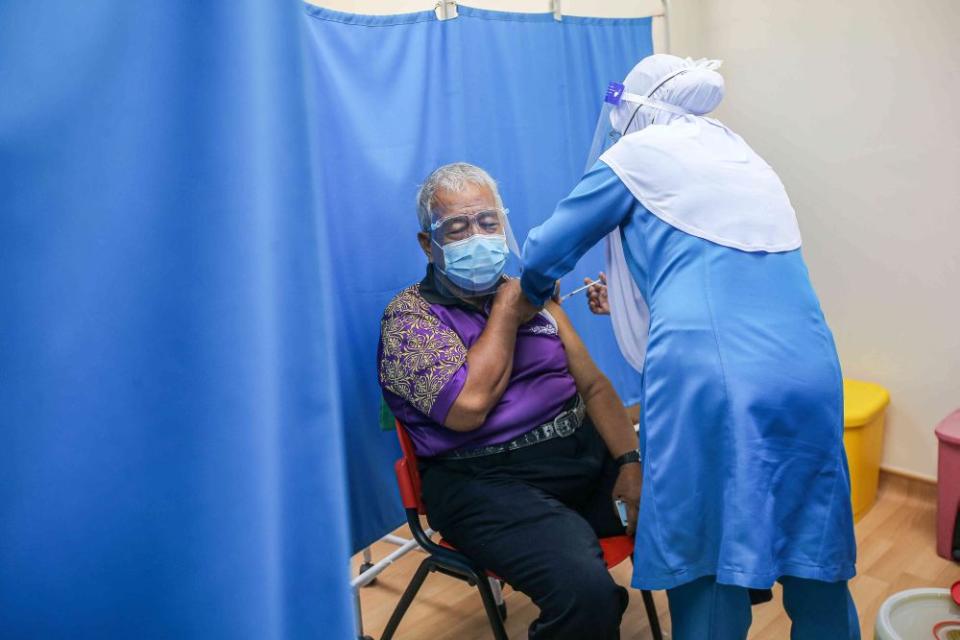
<point>475,264</point>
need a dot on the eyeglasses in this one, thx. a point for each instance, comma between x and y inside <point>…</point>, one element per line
<point>460,227</point>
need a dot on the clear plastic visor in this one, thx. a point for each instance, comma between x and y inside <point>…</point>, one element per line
<point>605,135</point>
<point>470,250</point>
<point>461,226</point>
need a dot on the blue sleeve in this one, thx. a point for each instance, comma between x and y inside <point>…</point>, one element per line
<point>595,207</point>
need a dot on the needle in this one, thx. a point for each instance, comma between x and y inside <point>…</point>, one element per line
<point>584,287</point>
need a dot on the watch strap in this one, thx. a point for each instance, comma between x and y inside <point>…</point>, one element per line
<point>628,457</point>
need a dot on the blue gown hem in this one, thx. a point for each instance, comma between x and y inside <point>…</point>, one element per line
<point>745,579</point>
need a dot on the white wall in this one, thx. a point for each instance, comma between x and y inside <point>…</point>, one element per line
<point>854,103</point>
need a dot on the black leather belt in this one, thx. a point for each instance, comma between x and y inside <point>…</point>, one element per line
<point>562,426</point>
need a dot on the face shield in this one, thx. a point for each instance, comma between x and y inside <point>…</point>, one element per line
<point>621,112</point>
<point>471,249</point>
<point>619,115</point>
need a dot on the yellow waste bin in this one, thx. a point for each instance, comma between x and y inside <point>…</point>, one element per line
<point>864,405</point>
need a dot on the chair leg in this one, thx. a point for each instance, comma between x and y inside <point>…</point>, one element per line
<point>651,608</point>
<point>406,599</point>
<point>490,606</point>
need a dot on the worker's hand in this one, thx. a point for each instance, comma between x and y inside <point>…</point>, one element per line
<point>627,488</point>
<point>511,299</point>
<point>597,296</point>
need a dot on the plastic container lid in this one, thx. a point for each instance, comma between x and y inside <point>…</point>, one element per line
<point>949,428</point>
<point>862,402</point>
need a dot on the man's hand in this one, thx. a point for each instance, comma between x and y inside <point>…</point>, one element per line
<point>597,296</point>
<point>627,488</point>
<point>510,299</point>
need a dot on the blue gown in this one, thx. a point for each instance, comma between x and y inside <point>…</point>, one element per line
<point>745,476</point>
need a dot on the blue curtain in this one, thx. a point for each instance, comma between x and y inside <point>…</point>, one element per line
<point>170,420</point>
<point>397,96</point>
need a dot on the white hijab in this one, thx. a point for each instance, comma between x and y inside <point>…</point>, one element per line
<point>693,173</point>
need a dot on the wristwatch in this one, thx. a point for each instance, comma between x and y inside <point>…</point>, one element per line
<point>628,457</point>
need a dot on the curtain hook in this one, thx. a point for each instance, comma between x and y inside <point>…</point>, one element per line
<point>445,9</point>
<point>557,11</point>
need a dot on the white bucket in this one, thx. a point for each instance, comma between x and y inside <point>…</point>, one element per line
<point>919,614</point>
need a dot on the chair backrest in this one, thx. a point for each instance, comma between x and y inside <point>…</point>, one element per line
<point>408,474</point>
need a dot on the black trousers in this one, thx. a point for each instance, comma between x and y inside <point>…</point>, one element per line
<point>532,516</point>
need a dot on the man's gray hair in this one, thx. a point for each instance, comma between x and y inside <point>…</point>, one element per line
<point>453,178</point>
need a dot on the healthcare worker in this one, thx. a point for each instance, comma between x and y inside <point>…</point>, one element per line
<point>745,479</point>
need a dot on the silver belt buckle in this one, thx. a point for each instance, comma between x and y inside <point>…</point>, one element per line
<point>565,424</point>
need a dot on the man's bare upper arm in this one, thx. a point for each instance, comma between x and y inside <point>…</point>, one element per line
<point>585,372</point>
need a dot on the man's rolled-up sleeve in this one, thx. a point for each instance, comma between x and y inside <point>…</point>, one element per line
<point>421,360</point>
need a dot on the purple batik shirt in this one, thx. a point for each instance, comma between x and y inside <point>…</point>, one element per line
<point>422,358</point>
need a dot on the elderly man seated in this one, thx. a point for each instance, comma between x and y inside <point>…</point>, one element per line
<point>524,444</point>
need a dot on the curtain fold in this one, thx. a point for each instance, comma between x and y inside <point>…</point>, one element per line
<point>171,452</point>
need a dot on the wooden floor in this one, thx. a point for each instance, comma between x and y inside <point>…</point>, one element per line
<point>896,551</point>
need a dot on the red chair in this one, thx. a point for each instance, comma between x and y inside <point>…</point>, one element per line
<point>444,558</point>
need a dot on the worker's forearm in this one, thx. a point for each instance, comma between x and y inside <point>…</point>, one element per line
<point>610,418</point>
